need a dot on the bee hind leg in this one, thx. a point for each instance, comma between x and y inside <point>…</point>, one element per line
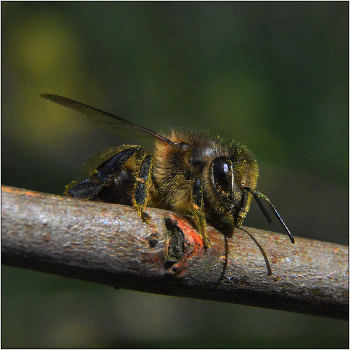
<point>84,189</point>
<point>102,177</point>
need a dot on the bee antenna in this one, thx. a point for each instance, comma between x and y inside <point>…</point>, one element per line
<point>257,196</point>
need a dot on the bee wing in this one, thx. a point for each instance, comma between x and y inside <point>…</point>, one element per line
<point>101,116</point>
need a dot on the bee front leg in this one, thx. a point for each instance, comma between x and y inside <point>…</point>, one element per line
<point>142,187</point>
<point>198,210</point>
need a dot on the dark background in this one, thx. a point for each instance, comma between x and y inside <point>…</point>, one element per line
<point>272,75</point>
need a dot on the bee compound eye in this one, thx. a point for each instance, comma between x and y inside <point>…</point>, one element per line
<point>222,174</point>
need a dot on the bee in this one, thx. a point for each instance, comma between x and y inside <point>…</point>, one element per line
<point>188,172</point>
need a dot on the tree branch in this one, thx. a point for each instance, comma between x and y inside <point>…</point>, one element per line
<point>109,244</point>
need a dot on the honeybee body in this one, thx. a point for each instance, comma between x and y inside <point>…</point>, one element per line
<point>188,172</point>
<point>194,175</point>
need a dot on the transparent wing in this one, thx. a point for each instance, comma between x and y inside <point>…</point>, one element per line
<point>102,117</point>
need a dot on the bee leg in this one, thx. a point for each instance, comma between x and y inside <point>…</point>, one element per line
<point>85,189</point>
<point>198,210</point>
<point>102,176</point>
<point>142,187</point>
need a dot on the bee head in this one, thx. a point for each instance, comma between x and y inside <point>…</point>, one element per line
<point>232,179</point>
<point>227,198</point>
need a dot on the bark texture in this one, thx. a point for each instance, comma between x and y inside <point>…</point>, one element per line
<point>109,244</point>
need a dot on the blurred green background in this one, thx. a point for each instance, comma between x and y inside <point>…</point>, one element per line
<point>272,75</point>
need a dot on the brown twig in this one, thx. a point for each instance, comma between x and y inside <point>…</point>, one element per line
<point>109,244</point>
